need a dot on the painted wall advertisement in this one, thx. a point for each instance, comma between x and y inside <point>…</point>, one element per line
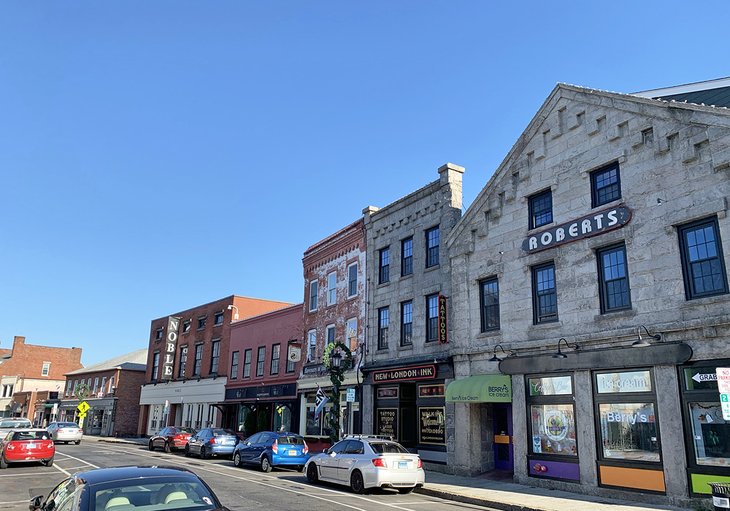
<point>432,425</point>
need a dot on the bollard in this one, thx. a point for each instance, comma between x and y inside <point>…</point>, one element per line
<point>720,496</point>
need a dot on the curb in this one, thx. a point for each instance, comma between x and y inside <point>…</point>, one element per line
<point>455,497</point>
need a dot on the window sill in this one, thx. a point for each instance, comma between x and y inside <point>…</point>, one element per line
<point>383,284</point>
<point>704,300</point>
<point>407,347</point>
<point>610,315</point>
<point>546,325</point>
<point>432,268</point>
<point>489,333</point>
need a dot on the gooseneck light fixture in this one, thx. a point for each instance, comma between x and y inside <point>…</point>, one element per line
<point>560,353</point>
<point>641,342</point>
<point>235,311</point>
<point>495,358</point>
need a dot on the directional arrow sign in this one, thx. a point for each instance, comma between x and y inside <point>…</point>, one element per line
<point>700,377</point>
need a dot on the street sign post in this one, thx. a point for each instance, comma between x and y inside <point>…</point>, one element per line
<point>350,395</point>
<point>723,385</point>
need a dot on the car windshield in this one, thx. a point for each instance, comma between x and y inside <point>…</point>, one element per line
<point>67,425</point>
<point>189,431</point>
<point>30,435</point>
<point>388,448</point>
<point>151,495</point>
<point>291,440</point>
<point>223,432</point>
<point>15,424</point>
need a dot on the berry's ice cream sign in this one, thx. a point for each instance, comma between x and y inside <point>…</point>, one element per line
<point>594,224</point>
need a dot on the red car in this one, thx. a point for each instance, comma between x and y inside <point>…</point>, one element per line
<point>26,445</point>
<point>171,438</point>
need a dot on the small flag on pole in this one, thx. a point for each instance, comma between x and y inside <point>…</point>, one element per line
<point>321,400</point>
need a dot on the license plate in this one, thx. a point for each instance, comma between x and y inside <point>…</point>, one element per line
<point>402,464</point>
<point>31,446</point>
<point>292,453</point>
<point>227,442</point>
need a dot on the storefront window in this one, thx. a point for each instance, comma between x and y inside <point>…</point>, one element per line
<point>282,417</point>
<point>552,416</point>
<point>626,413</point>
<point>711,434</point>
<point>318,424</point>
<point>246,420</point>
<point>629,431</point>
<point>553,430</point>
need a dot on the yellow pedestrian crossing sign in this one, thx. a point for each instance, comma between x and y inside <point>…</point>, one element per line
<point>83,407</point>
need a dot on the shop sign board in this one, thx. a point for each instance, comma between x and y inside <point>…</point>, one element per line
<point>432,425</point>
<point>723,385</point>
<point>388,422</point>
<point>405,373</point>
<point>168,363</point>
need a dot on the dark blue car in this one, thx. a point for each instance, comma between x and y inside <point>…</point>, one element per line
<point>269,449</point>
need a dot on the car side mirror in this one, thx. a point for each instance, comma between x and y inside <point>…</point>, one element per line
<point>35,502</point>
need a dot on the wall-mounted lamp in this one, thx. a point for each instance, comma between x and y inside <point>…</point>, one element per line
<point>640,342</point>
<point>495,358</point>
<point>235,311</point>
<point>560,354</point>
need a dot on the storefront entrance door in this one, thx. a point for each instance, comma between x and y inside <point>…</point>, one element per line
<point>502,427</point>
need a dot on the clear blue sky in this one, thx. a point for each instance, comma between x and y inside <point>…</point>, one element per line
<point>157,155</point>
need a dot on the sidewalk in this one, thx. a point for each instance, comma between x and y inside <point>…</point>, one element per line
<point>504,495</point>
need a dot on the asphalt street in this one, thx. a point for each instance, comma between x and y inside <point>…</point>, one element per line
<point>237,488</point>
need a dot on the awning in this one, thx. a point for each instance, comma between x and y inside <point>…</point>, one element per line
<point>481,388</point>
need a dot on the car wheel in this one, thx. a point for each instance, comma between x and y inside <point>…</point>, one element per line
<point>187,451</point>
<point>356,482</point>
<point>237,460</point>
<point>265,464</point>
<point>151,446</point>
<point>77,442</point>
<point>204,452</point>
<point>3,463</point>
<point>167,447</point>
<point>405,491</point>
<point>312,474</point>
<point>48,463</point>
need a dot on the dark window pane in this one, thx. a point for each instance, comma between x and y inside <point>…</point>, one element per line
<point>541,209</point>
<point>703,263</point>
<point>384,266</point>
<point>605,185</point>
<point>432,308</point>
<point>406,256</point>
<point>432,247</point>
<point>406,336</point>
<point>613,279</point>
<point>383,323</point>
<point>489,298</point>
<point>544,294</point>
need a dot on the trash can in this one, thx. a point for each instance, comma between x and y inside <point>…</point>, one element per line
<point>720,496</point>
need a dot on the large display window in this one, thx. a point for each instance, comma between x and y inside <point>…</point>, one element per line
<point>707,433</point>
<point>626,413</point>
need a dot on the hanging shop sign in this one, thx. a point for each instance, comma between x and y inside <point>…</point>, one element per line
<point>431,390</point>
<point>443,332</point>
<point>168,363</point>
<point>405,373</point>
<point>387,422</point>
<point>387,393</point>
<point>432,425</point>
<point>590,225</point>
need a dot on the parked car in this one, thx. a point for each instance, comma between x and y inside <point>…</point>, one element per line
<point>269,449</point>
<point>171,438</point>
<point>363,462</point>
<point>27,445</point>
<point>65,432</point>
<point>210,442</point>
<point>8,424</point>
<point>129,488</point>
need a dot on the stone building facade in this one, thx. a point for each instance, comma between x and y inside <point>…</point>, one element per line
<point>28,369</point>
<point>191,346</point>
<point>334,312</point>
<point>409,292</point>
<point>113,390</point>
<point>593,264</point>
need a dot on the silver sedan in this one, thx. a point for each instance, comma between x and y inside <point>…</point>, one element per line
<point>65,432</point>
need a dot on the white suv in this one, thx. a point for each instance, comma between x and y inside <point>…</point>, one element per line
<point>366,461</point>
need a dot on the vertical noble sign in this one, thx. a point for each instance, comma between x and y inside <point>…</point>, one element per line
<point>168,364</point>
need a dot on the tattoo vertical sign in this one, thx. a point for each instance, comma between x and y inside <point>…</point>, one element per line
<point>443,332</point>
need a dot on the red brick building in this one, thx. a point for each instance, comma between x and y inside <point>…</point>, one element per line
<point>113,389</point>
<point>261,394</point>
<point>29,369</point>
<point>334,311</point>
<point>187,368</point>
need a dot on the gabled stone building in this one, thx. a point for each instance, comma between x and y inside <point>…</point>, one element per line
<point>593,264</point>
<point>409,290</point>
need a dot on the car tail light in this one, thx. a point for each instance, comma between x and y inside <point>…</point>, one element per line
<point>306,448</point>
<point>60,430</point>
<point>212,440</point>
<point>420,463</point>
<point>10,447</point>
<point>50,444</point>
<point>275,447</point>
<point>379,462</point>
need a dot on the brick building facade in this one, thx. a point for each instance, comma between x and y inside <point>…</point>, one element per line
<point>593,264</point>
<point>334,312</point>
<point>192,393</point>
<point>113,390</point>
<point>29,369</point>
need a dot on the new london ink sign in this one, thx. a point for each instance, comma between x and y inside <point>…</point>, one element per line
<point>594,224</point>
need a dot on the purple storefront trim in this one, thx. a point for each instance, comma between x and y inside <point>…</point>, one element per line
<point>554,469</point>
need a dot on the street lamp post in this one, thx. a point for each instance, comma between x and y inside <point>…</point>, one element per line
<point>337,359</point>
